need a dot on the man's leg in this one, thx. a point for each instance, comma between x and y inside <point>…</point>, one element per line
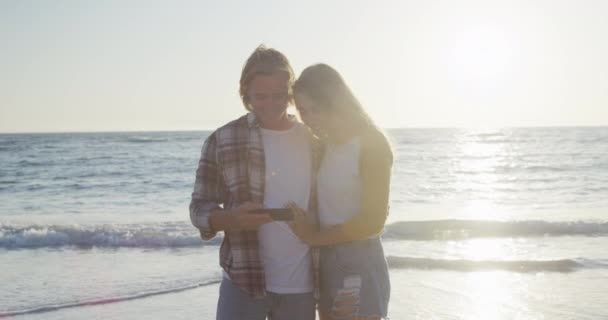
<point>292,306</point>
<point>235,304</point>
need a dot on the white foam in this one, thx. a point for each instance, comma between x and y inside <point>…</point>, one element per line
<point>465,229</point>
<point>155,235</point>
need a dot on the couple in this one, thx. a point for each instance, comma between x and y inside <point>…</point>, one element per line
<point>333,171</point>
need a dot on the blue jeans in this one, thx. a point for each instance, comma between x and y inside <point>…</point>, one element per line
<point>235,304</point>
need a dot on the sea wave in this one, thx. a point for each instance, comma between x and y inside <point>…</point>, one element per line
<point>465,229</point>
<point>145,140</point>
<point>523,266</point>
<point>182,234</point>
<point>160,235</point>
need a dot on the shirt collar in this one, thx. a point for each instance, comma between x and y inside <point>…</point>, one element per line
<point>253,122</point>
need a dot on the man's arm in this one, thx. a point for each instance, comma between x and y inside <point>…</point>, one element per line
<point>207,196</point>
<point>206,212</point>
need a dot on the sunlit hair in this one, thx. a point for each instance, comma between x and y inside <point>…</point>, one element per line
<point>325,86</point>
<point>264,61</point>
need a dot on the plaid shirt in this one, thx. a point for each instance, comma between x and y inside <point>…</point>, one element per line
<point>231,171</point>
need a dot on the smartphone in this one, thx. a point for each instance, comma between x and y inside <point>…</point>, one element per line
<point>279,214</point>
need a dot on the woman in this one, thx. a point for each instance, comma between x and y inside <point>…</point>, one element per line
<point>353,191</point>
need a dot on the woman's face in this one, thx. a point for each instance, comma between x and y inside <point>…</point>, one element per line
<point>310,113</point>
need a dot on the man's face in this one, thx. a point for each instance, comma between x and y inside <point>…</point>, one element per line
<point>268,96</point>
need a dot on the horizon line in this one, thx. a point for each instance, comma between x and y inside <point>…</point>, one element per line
<point>384,128</point>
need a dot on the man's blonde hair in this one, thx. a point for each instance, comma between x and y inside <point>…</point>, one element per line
<point>265,61</point>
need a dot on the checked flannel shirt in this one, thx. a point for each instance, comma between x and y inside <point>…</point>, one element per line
<point>231,171</point>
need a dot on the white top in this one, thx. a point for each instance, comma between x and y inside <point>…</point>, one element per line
<point>339,183</point>
<point>287,261</point>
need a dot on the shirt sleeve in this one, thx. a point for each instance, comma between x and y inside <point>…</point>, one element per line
<point>208,189</point>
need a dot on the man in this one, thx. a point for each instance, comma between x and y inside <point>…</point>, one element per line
<point>264,159</point>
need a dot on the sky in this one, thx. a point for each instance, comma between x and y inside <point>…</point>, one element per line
<point>119,65</point>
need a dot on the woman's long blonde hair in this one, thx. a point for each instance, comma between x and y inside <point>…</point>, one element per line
<point>326,87</point>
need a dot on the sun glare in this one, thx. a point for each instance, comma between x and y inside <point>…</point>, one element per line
<point>476,170</point>
<point>492,293</point>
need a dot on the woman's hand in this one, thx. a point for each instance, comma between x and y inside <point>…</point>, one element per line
<point>302,225</point>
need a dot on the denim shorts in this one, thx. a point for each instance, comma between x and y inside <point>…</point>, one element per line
<point>354,280</point>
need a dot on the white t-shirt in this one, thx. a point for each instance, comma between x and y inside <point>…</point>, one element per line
<point>339,183</point>
<point>287,261</point>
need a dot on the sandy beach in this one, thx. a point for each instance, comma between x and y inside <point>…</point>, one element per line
<point>415,295</point>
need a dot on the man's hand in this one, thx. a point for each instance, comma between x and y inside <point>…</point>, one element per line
<point>242,219</point>
<point>238,218</point>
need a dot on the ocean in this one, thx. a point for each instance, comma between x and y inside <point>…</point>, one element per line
<point>484,224</point>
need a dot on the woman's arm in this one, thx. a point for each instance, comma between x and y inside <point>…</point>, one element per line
<point>376,159</point>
